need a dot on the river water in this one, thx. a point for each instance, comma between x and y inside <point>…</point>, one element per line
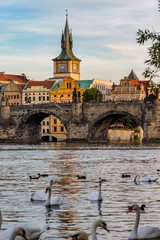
<point>63,162</point>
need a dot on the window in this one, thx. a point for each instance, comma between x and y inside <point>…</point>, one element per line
<point>47,123</point>
<point>14,96</point>
<point>55,95</point>
<point>55,121</point>
<point>39,98</point>
<point>43,130</point>
<point>17,96</point>
<point>43,98</point>
<point>55,129</point>
<point>47,130</point>
<point>62,129</point>
<point>47,98</point>
<point>33,98</point>
<point>43,123</point>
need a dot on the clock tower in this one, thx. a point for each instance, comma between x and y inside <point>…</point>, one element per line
<point>66,64</point>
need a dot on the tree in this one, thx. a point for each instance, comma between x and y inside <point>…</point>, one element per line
<point>153,51</point>
<point>127,122</point>
<point>92,94</point>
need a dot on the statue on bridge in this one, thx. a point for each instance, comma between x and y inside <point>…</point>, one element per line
<point>76,96</point>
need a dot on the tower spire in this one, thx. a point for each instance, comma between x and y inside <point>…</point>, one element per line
<point>66,43</point>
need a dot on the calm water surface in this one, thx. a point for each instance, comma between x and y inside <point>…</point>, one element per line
<point>63,162</point>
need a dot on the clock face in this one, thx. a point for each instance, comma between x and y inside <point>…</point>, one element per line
<point>74,68</point>
<point>62,68</point>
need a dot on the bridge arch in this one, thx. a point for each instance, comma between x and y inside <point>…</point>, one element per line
<point>99,128</point>
<point>29,124</point>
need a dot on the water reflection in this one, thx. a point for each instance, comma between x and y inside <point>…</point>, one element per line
<point>63,162</point>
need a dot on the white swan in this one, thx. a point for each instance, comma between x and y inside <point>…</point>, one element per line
<point>12,232</point>
<point>81,235</point>
<point>52,201</point>
<point>96,196</point>
<point>39,195</point>
<point>144,179</point>
<point>32,233</point>
<point>146,232</point>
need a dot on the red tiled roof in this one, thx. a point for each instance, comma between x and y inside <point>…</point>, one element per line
<point>135,82</point>
<point>47,84</point>
<point>138,83</point>
<point>17,78</point>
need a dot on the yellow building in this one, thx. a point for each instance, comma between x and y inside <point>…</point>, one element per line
<point>63,90</point>
<point>130,88</point>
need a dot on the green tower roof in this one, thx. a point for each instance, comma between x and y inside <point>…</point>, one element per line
<point>66,44</point>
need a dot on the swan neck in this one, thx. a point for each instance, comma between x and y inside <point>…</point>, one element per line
<point>99,192</point>
<point>93,231</point>
<point>13,235</point>
<point>135,227</point>
<point>49,197</point>
<point>136,178</point>
<point>0,219</point>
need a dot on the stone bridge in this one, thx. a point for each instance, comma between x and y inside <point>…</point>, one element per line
<point>83,121</point>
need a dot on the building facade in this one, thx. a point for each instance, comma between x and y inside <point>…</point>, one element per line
<point>130,88</point>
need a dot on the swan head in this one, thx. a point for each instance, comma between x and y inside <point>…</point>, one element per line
<point>47,189</point>
<point>100,181</point>
<point>51,182</point>
<point>80,236</point>
<point>133,207</point>
<point>21,232</point>
<point>102,224</point>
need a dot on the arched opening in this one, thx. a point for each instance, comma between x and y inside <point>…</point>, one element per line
<point>41,126</point>
<point>117,127</point>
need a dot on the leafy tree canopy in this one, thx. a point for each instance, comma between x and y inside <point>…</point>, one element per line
<point>153,50</point>
<point>92,94</point>
<point>127,122</point>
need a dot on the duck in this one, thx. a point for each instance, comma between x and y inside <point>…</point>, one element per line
<point>96,196</point>
<point>147,232</point>
<point>144,179</point>
<point>142,207</point>
<point>34,177</point>
<point>39,195</point>
<point>81,177</point>
<point>13,232</point>
<point>82,235</point>
<point>124,175</point>
<point>52,200</point>
<point>43,175</point>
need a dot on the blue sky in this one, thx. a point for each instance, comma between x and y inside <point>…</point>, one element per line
<point>104,36</point>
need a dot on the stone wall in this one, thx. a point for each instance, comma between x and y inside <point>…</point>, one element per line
<point>123,136</point>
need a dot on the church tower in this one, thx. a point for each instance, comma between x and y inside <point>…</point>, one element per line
<point>66,64</point>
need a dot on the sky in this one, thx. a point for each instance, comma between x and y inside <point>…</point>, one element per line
<point>104,36</point>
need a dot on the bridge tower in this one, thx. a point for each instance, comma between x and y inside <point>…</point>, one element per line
<point>66,64</point>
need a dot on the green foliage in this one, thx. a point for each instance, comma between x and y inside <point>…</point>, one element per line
<point>153,50</point>
<point>137,130</point>
<point>127,122</point>
<point>92,94</point>
<point>135,138</point>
